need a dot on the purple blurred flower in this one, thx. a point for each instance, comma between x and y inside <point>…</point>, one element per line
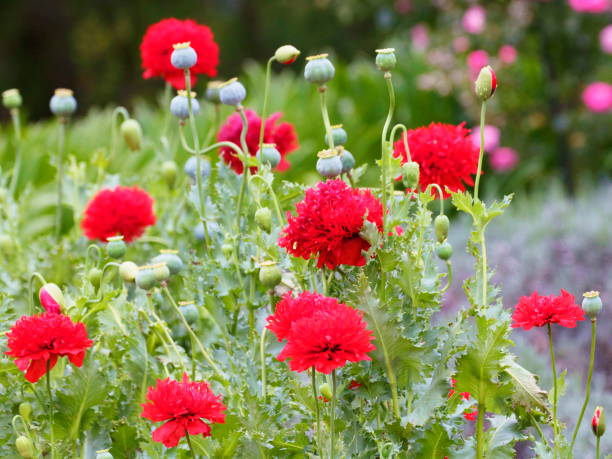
<point>508,54</point>
<point>477,60</point>
<point>491,134</point>
<point>598,97</point>
<point>403,6</point>
<point>420,37</point>
<point>504,159</point>
<point>474,19</point>
<point>605,39</point>
<point>589,6</point>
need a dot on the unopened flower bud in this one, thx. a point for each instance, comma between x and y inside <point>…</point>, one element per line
<point>179,105</point>
<point>160,271</point>
<point>232,92</point>
<point>51,298</point>
<point>95,277</point>
<point>263,218</point>
<point>385,59</point>
<point>338,134</point>
<point>486,83</point>
<point>116,247</point>
<point>132,134</point>
<point>347,159</point>
<point>145,278</point>
<point>11,98</point>
<point>128,271</point>
<point>441,224</point>
<point>329,163</point>
<point>169,171</point>
<point>63,103</point>
<point>227,249</point>
<point>212,91</point>
<point>191,167</point>
<point>171,259</point>
<point>591,304</point>
<point>598,423</point>
<point>410,175</point>
<point>25,411</point>
<point>444,251</point>
<point>286,54</point>
<point>269,154</point>
<point>183,56</point>
<point>7,245</point>
<point>25,446</point>
<point>326,391</point>
<point>319,69</point>
<point>270,274</point>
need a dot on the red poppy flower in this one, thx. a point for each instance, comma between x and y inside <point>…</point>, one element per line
<point>156,48</point>
<point>470,415</point>
<point>445,154</point>
<point>327,339</point>
<point>537,311</point>
<point>328,223</point>
<point>354,385</point>
<point>120,211</point>
<point>183,404</point>
<point>464,395</point>
<point>283,135</point>
<point>38,341</point>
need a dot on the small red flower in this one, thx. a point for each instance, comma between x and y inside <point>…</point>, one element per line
<point>537,311</point>
<point>156,48</point>
<point>183,404</point>
<point>464,395</point>
<point>283,135</point>
<point>445,154</point>
<point>38,341</point>
<point>328,223</point>
<point>120,211</point>
<point>470,415</point>
<point>354,385</point>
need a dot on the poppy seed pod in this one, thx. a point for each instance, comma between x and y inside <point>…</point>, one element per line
<point>441,224</point>
<point>347,159</point>
<point>25,446</point>
<point>598,423</point>
<point>591,304</point>
<point>169,171</point>
<point>232,92</point>
<point>191,167</point>
<point>486,83</point>
<point>270,274</point>
<point>171,259</point>
<point>444,251</point>
<point>63,102</point>
<point>269,155</point>
<point>145,278</point>
<point>263,218</point>
<point>212,91</point>
<point>11,98</point>
<point>329,163</point>
<point>128,271</point>
<point>116,247</point>
<point>410,175</point>
<point>385,59</point>
<point>161,271</point>
<point>319,69</point>
<point>132,133</point>
<point>338,134</point>
<point>286,54</point>
<point>51,298</point>
<point>179,105</point>
<point>183,56</point>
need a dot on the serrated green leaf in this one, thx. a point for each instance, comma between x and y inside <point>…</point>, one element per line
<point>501,437</point>
<point>527,393</point>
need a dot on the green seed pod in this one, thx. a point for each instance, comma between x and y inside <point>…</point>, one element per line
<point>286,54</point>
<point>385,59</point>
<point>347,159</point>
<point>441,224</point>
<point>591,304</point>
<point>319,70</point>
<point>116,247</point>
<point>270,274</point>
<point>128,271</point>
<point>172,260</point>
<point>486,83</point>
<point>338,134</point>
<point>94,276</point>
<point>410,175</point>
<point>161,272</point>
<point>24,446</point>
<point>132,134</point>
<point>444,251</point>
<point>63,103</point>
<point>169,171</point>
<point>212,91</point>
<point>227,249</point>
<point>145,278</point>
<point>329,163</point>
<point>326,391</point>
<point>25,411</point>
<point>269,154</point>
<point>263,218</point>
<point>11,98</point>
<point>598,423</point>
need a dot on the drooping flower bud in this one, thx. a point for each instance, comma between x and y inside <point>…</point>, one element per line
<point>486,83</point>
<point>51,298</point>
<point>11,98</point>
<point>269,154</point>
<point>171,259</point>
<point>25,446</point>
<point>263,218</point>
<point>227,249</point>
<point>598,423</point>
<point>329,163</point>
<point>128,271</point>
<point>169,170</point>
<point>326,391</point>
<point>338,134</point>
<point>385,59</point>
<point>191,167</point>
<point>591,304</point>
<point>444,251</point>
<point>63,103</point>
<point>441,224</point>
<point>269,274</point>
<point>347,159</point>
<point>212,91</point>
<point>116,247</point>
<point>183,56</point>
<point>145,278</point>
<point>132,134</point>
<point>286,54</point>
<point>410,175</point>
<point>25,411</point>
<point>95,277</point>
<point>232,92</point>
<point>161,271</point>
<point>179,105</point>
<point>319,69</point>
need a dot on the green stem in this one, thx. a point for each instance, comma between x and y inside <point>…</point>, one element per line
<point>555,393</point>
<point>449,277</point>
<point>262,356</point>
<point>118,111</point>
<point>193,454</point>
<point>168,338</point>
<point>384,147</point>
<point>317,410</point>
<point>588,384</point>
<point>325,114</point>
<point>51,416</point>
<point>440,195</point>
<point>332,416</point>
<point>34,276</point>
<point>264,110</point>
<point>483,253</point>
<point>483,110</point>
<point>245,167</point>
<point>597,452</point>
<point>404,138</point>
<point>480,432</point>
<point>17,167</point>
<point>61,132</point>
<point>539,429</point>
<point>279,213</point>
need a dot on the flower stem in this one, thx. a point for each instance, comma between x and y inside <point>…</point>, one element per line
<point>41,279</point>
<point>17,167</point>
<point>61,132</point>
<point>332,415</point>
<point>483,255</point>
<point>316,401</point>
<point>539,429</point>
<point>588,384</point>
<point>480,432</point>
<point>245,167</point>
<point>483,111</point>
<point>262,356</point>
<point>384,144</point>
<point>50,395</point>
<point>193,454</point>
<point>597,453</point>
<point>325,114</point>
<point>555,393</point>
<point>118,111</point>
<point>264,110</point>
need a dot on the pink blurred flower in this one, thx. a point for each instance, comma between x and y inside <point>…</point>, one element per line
<point>508,54</point>
<point>605,39</point>
<point>474,19</point>
<point>492,135</point>
<point>477,60</point>
<point>504,159</point>
<point>598,97</point>
<point>403,6</point>
<point>461,44</point>
<point>420,37</point>
<point>589,6</point>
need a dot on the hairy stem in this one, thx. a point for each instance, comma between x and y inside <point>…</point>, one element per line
<point>17,166</point>
<point>480,432</point>
<point>325,115</point>
<point>332,416</point>
<point>483,111</point>
<point>555,393</point>
<point>61,132</point>
<point>245,169</point>
<point>50,408</point>
<point>264,110</point>
<point>316,402</point>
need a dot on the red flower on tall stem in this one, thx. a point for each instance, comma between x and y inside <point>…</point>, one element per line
<point>183,404</point>
<point>38,341</point>
<point>283,135</point>
<point>537,311</point>
<point>156,48</point>
<point>121,211</point>
<point>445,154</point>
<point>328,223</point>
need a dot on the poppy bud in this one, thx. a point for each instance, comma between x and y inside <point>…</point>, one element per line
<point>115,248</point>
<point>329,163</point>
<point>3,195</point>
<point>132,133</point>
<point>263,218</point>
<point>232,92</point>
<point>598,423</point>
<point>326,391</point>
<point>51,298</point>
<point>347,159</point>
<point>190,311</point>
<point>161,271</point>
<point>172,260</point>
<point>410,175</point>
<point>385,59</point>
<point>24,446</point>
<point>338,134</point>
<point>179,105</point>
<point>183,56</point>
<point>591,304</point>
<point>6,243</point>
<point>319,70</point>
<point>212,91</point>
<point>227,249</point>
<point>191,167</point>
<point>269,154</point>
<point>63,102</point>
<point>11,99</point>
<point>441,225</point>
<point>444,251</point>
<point>286,54</point>
<point>169,171</point>
<point>270,274</point>
<point>145,278</point>
<point>25,411</point>
<point>486,83</point>
<point>128,271</point>
<point>104,454</point>
<point>94,276</point>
